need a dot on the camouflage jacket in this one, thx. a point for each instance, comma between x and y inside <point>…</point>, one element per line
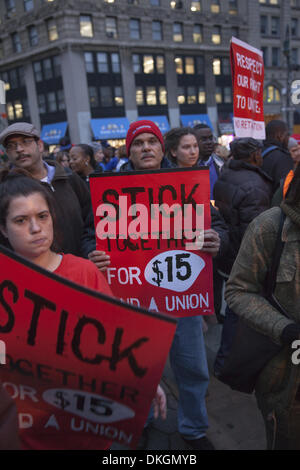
<point>278,383</point>
<point>243,292</point>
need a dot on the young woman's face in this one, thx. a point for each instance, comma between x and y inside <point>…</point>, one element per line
<point>78,160</point>
<point>187,152</point>
<point>29,226</point>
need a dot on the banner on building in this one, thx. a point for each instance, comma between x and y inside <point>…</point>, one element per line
<point>151,224</point>
<point>82,367</point>
<point>247,69</point>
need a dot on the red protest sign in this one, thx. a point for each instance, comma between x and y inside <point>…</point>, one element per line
<point>154,264</point>
<point>247,68</point>
<point>82,367</point>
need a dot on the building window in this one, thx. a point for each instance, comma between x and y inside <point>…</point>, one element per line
<point>89,62</point>
<point>217,66</point>
<point>42,104</point>
<point>218,95</point>
<point>179,65</point>
<point>196,6</point>
<point>233,7</point>
<point>264,25</point>
<point>201,95</point>
<point>265,55</point>
<point>118,96</point>
<point>160,64</point>
<point>275,26</point>
<point>151,99</point>
<point>16,42</point>
<point>227,94</point>
<point>177,32</point>
<point>155,3</point>
<point>139,96</point>
<point>157,31</point>
<point>111,27</point>
<point>102,62</point>
<point>133,2</point>
<point>28,5</point>
<point>109,1</point>
<point>115,63</point>
<point>47,69</point>
<point>106,96</point>
<point>136,64</point>
<point>86,26</point>
<point>176,4</point>
<point>93,95</point>
<point>226,68</point>
<point>51,102</point>
<point>61,100</point>
<point>271,94</point>
<point>162,95</point>
<point>10,6</point>
<point>134,29</point>
<point>235,31</point>
<point>52,30</point>
<point>148,64</point>
<point>216,35</point>
<point>295,56</point>
<point>275,57</point>
<point>197,33</point>
<point>180,95</point>
<point>215,6</point>
<point>33,36</point>
<point>294,27</point>
<point>189,65</point>
<point>191,95</point>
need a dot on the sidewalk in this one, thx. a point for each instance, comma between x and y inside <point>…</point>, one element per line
<point>234,420</point>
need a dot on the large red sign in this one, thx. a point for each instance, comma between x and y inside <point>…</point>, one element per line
<point>248,82</point>
<point>82,367</point>
<point>148,223</point>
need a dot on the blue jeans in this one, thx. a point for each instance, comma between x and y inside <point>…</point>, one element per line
<point>189,364</point>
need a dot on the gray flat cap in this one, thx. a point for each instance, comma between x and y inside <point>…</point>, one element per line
<point>19,128</point>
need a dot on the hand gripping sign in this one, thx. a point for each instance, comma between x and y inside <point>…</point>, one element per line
<point>150,223</point>
<point>82,367</point>
<point>247,68</point>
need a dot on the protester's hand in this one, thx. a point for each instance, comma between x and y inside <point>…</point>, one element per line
<point>100,259</point>
<point>212,242</point>
<point>160,403</point>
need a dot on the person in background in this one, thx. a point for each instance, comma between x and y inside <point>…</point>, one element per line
<point>98,155</point>
<point>82,161</point>
<point>63,159</point>
<point>277,160</point>
<point>9,439</point>
<point>122,156</point>
<point>221,151</point>
<point>46,151</point>
<point>280,194</point>
<point>207,157</point>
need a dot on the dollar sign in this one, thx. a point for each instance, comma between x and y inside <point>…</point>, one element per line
<point>157,271</point>
<point>63,402</point>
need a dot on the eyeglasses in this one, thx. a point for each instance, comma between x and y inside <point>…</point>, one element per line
<point>13,146</point>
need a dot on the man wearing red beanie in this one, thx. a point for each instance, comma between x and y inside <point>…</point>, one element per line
<point>145,147</point>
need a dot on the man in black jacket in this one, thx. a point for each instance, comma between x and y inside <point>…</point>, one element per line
<point>72,199</point>
<point>277,161</point>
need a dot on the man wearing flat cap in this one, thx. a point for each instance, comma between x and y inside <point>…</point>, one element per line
<point>24,149</point>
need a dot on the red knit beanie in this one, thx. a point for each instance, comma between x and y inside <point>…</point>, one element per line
<point>141,127</point>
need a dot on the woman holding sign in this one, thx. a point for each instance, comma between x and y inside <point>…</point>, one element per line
<point>27,220</point>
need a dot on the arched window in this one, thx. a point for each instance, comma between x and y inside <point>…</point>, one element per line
<point>271,94</point>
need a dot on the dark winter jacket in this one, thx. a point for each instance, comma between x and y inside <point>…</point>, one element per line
<point>241,193</point>
<point>74,213</point>
<point>276,163</point>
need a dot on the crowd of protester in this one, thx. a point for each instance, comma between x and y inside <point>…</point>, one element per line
<point>250,184</point>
